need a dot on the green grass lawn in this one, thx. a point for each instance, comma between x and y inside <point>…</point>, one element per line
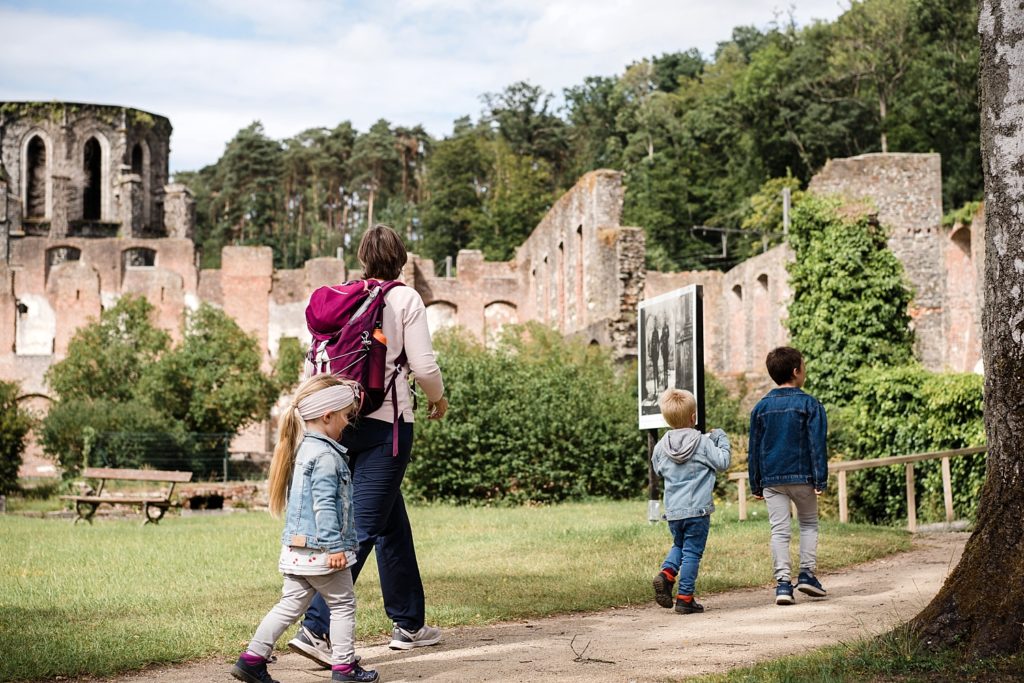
<point>896,656</point>
<point>79,599</point>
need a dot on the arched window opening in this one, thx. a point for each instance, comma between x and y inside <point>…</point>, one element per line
<point>57,255</point>
<point>36,172</point>
<point>92,197</point>
<point>962,239</point>
<point>137,159</point>
<point>762,280</point>
<point>738,291</point>
<point>138,257</point>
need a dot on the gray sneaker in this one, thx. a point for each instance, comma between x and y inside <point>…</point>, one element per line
<point>407,640</point>
<point>307,644</point>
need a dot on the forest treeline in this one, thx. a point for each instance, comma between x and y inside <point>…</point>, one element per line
<point>702,140</point>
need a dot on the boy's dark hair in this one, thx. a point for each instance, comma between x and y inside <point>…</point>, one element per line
<point>782,362</point>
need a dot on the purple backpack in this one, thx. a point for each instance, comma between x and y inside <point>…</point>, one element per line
<point>345,321</point>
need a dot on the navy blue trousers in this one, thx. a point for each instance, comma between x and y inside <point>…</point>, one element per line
<point>381,523</point>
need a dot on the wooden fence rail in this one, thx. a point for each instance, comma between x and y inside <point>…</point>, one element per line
<point>841,467</point>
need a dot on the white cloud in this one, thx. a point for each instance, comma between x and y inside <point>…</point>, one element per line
<point>311,63</point>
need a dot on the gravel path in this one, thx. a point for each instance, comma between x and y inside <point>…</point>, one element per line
<point>648,643</point>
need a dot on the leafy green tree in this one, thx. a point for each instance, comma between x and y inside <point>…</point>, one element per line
<point>849,307</point>
<point>126,397</point>
<point>936,109</point>
<point>375,163</point>
<point>516,199</point>
<point>595,140</point>
<point>107,359</point>
<point>875,47</point>
<point>522,116</point>
<point>211,382</point>
<point>456,183</point>
<point>249,201</point>
<point>15,424</point>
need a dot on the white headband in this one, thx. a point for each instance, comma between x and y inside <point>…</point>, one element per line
<point>327,400</point>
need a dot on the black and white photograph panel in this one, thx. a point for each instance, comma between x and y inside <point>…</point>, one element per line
<point>667,340</point>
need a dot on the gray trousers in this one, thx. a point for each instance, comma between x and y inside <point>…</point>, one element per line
<point>298,591</point>
<point>778,499</point>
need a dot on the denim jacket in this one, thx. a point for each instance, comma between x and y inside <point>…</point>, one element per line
<point>687,460</point>
<point>320,512</point>
<point>787,441</point>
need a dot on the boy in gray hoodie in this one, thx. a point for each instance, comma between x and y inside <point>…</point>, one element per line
<point>687,460</point>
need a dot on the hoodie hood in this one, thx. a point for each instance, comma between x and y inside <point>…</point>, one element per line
<point>680,444</point>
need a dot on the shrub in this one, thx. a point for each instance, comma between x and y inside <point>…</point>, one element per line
<point>102,433</point>
<point>849,306</point>
<point>723,410</point>
<point>907,409</point>
<point>15,424</point>
<point>127,397</point>
<point>539,418</point>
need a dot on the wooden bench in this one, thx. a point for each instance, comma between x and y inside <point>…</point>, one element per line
<point>153,507</point>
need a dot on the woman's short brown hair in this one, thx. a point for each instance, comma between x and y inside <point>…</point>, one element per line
<point>382,253</point>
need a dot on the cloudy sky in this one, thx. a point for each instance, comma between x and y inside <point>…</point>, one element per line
<point>214,66</point>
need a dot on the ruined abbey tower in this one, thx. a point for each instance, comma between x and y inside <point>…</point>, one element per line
<point>87,215</point>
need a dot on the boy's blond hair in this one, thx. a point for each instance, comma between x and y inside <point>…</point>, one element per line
<point>678,407</point>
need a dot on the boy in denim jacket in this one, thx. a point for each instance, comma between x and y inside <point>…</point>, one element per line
<point>687,460</point>
<point>788,462</point>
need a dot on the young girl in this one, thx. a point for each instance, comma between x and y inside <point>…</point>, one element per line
<point>310,481</point>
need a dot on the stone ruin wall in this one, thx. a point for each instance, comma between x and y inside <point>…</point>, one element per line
<point>944,266</point>
<point>579,271</point>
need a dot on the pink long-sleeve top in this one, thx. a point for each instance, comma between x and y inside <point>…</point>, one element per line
<point>405,325</point>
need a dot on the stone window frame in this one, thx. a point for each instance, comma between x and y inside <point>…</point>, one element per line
<point>48,260</point>
<point>26,140</point>
<point>85,135</point>
<point>146,176</point>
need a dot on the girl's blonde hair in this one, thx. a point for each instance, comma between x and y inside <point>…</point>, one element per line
<point>290,433</point>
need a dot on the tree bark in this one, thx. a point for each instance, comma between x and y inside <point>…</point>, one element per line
<point>981,605</point>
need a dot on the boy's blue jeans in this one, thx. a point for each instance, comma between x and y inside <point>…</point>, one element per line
<point>689,536</point>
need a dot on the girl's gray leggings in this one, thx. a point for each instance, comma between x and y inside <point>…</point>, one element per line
<point>778,499</point>
<point>336,589</point>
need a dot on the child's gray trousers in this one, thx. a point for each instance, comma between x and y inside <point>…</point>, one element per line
<point>298,591</point>
<point>778,499</point>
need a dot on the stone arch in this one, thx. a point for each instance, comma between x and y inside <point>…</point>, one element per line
<point>498,314</point>
<point>58,255</point>
<point>95,177</point>
<point>37,188</point>
<point>137,257</point>
<point>441,315</point>
<point>761,310</point>
<point>737,322</point>
<point>962,326</point>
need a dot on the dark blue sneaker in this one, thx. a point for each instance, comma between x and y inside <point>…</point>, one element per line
<point>252,673</point>
<point>809,584</point>
<point>356,673</point>
<point>663,589</point>
<point>784,593</point>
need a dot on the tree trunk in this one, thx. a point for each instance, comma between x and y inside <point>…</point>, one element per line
<point>981,605</point>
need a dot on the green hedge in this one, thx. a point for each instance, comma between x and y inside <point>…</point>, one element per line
<point>15,424</point>
<point>537,419</point>
<point>907,409</point>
